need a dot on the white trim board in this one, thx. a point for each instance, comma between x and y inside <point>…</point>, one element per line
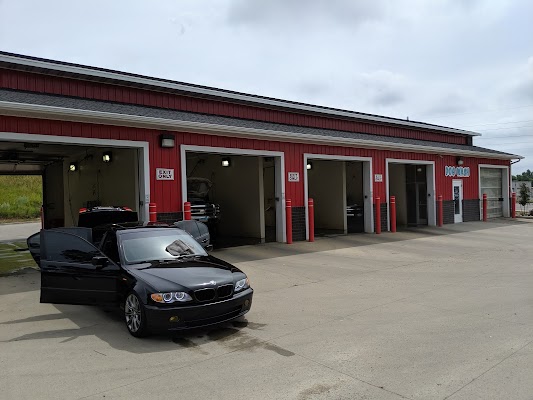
<point>89,116</point>
<point>506,188</point>
<point>202,90</point>
<point>430,178</point>
<point>144,159</point>
<point>367,181</point>
<point>281,234</point>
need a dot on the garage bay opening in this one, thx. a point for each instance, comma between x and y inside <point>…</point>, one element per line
<point>236,195</point>
<point>341,192</point>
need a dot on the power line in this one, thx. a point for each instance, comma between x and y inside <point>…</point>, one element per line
<point>503,136</point>
<point>480,112</point>
<point>498,123</point>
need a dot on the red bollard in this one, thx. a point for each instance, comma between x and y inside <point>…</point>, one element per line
<point>288,216</point>
<point>42,217</point>
<point>440,210</point>
<point>152,211</point>
<point>393,214</point>
<point>485,207</point>
<point>311,216</point>
<point>513,205</point>
<point>378,215</point>
<point>187,211</point>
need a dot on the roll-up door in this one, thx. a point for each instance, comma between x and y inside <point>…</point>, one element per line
<point>491,184</point>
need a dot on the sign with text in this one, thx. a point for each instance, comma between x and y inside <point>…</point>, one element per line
<point>294,177</point>
<point>164,174</point>
<point>460,172</point>
<point>378,178</point>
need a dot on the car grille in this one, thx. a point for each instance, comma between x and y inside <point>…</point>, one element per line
<point>225,291</point>
<point>204,294</point>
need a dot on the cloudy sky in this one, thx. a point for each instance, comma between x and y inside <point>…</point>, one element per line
<point>461,63</point>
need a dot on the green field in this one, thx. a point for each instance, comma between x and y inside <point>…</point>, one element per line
<point>20,197</point>
<point>11,260</point>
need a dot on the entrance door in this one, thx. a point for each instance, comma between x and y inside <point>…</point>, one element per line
<point>458,201</point>
<point>416,193</point>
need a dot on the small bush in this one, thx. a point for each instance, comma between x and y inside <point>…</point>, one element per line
<point>20,197</point>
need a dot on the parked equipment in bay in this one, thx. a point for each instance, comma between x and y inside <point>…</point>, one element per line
<point>202,207</point>
<point>160,276</point>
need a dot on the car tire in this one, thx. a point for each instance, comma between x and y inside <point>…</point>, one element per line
<point>135,315</point>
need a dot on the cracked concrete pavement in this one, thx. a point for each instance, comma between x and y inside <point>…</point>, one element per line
<point>420,314</point>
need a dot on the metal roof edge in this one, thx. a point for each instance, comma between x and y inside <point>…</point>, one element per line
<point>208,91</point>
<point>78,115</point>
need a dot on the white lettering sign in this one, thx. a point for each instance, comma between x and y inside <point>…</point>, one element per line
<point>378,178</point>
<point>164,174</point>
<point>294,177</point>
<point>460,172</point>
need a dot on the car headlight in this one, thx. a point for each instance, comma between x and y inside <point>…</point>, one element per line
<point>171,297</point>
<point>242,284</point>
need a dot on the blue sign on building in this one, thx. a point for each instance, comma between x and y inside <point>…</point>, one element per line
<point>460,172</point>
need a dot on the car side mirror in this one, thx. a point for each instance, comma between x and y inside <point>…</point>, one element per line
<point>100,261</point>
<point>209,247</point>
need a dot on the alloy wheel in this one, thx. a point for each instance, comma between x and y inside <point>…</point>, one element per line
<point>132,311</point>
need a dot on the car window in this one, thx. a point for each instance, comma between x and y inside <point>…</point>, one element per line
<point>139,247</point>
<point>64,247</point>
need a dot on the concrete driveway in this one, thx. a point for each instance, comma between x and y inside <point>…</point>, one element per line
<point>424,314</point>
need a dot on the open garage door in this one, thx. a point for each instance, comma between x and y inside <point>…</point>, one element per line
<point>342,193</point>
<point>237,193</point>
<point>79,173</point>
<point>412,182</point>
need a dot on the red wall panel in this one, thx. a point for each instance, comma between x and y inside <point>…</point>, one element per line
<point>167,194</point>
<point>21,80</point>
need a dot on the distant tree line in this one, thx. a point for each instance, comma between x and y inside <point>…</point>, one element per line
<point>524,176</point>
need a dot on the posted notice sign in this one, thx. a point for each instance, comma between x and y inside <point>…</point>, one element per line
<point>294,177</point>
<point>164,174</point>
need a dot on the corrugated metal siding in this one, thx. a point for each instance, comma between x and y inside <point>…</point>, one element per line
<point>167,194</point>
<point>20,80</point>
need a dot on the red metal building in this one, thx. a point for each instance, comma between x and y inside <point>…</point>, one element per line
<point>55,116</point>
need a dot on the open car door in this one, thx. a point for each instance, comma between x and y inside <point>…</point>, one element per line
<point>74,271</point>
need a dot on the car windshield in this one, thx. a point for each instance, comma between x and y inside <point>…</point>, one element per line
<point>159,246</point>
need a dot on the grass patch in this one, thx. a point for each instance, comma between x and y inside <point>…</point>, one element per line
<point>11,260</point>
<point>21,197</point>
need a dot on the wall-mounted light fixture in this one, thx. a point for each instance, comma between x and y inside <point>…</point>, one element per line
<point>107,157</point>
<point>460,161</point>
<point>167,140</point>
<point>309,165</point>
<point>73,167</point>
<point>226,162</point>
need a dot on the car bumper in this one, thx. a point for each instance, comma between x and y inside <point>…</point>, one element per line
<point>198,316</point>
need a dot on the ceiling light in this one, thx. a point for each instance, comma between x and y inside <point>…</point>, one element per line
<point>107,157</point>
<point>226,162</point>
<point>309,165</point>
<point>73,167</point>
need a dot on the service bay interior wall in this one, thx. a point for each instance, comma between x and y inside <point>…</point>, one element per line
<point>398,189</point>
<point>109,184</point>
<point>54,195</point>
<point>354,182</point>
<point>327,187</point>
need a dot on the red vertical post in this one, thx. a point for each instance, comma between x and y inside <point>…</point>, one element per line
<point>288,216</point>
<point>393,214</point>
<point>42,217</point>
<point>440,210</point>
<point>311,217</point>
<point>187,211</point>
<point>378,215</point>
<point>152,211</point>
<point>513,205</point>
<point>485,207</point>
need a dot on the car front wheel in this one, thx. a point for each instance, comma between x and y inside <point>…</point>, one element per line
<point>134,316</point>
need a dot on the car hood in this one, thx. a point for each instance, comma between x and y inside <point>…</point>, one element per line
<point>186,275</point>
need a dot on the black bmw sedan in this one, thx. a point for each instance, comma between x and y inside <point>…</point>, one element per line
<point>161,277</point>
